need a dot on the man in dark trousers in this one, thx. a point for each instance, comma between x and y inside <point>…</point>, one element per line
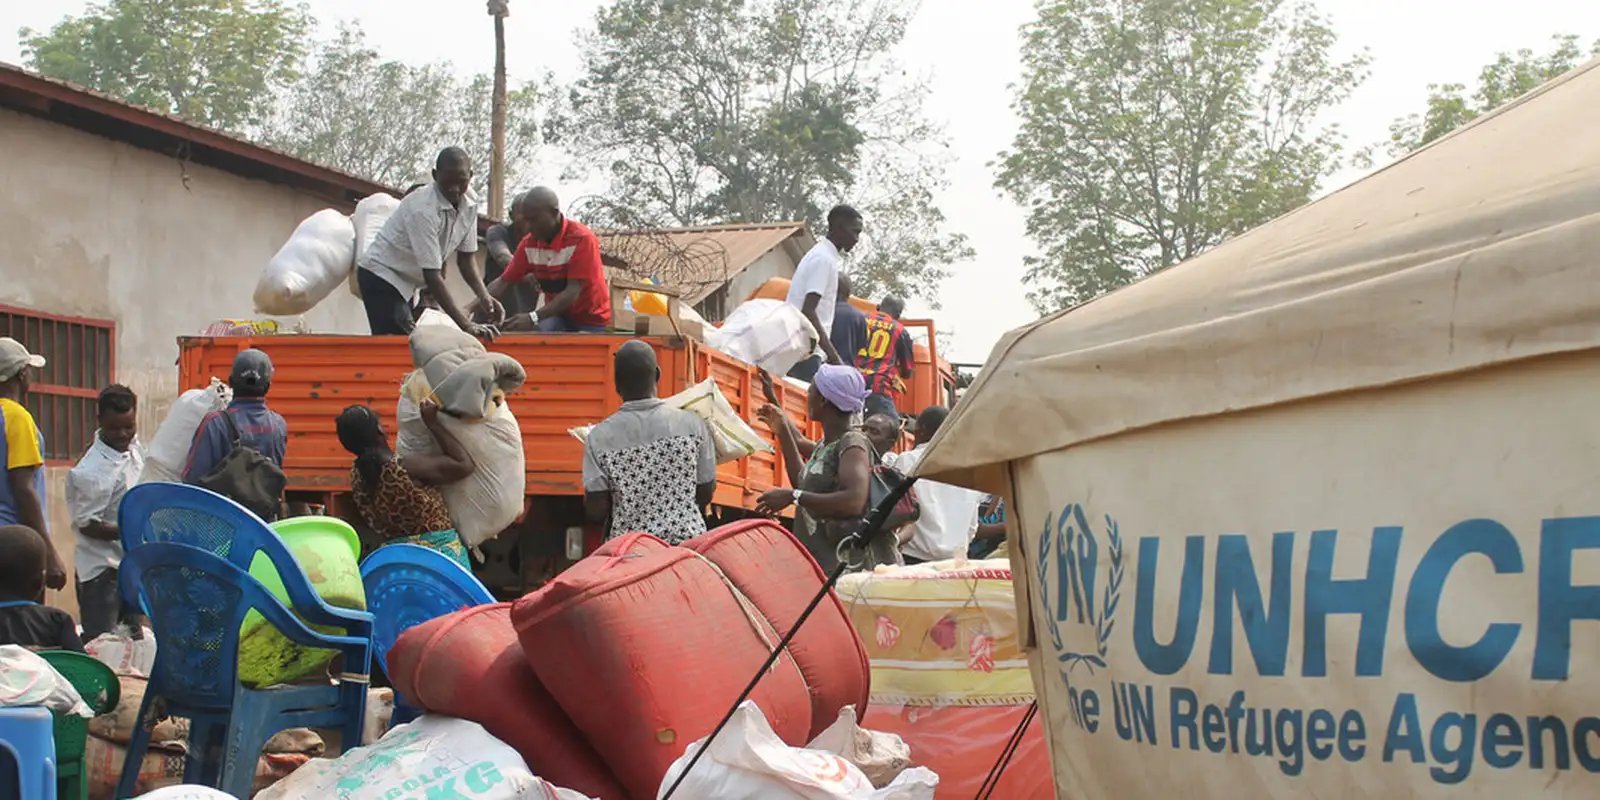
<point>887,360</point>
<point>849,325</point>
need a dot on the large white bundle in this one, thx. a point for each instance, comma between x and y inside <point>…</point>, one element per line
<point>770,334</point>
<point>168,451</point>
<point>733,437</point>
<point>444,756</point>
<point>370,215</point>
<point>28,680</point>
<point>318,255</point>
<point>485,503</point>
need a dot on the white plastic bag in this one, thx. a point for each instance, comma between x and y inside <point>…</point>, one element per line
<point>168,451</point>
<point>434,757</point>
<point>124,654</point>
<point>370,215</point>
<point>770,334</point>
<point>28,680</point>
<point>485,503</point>
<point>733,437</point>
<point>880,756</point>
<point>186,793</point>
<point>748,760</point>
<point>318,256</point>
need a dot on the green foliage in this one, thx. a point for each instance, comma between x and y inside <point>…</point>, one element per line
<point>712,111</point>
<point>215,62</point>
<point>1508,77</point>
<point>387,120</point>
<point>1152,131</point>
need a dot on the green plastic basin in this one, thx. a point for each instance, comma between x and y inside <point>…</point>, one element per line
<point>328,551</point>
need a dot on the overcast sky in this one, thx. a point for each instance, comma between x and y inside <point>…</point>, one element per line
<point>971,61</point>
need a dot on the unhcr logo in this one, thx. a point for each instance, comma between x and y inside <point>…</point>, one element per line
<point>1076,593</point>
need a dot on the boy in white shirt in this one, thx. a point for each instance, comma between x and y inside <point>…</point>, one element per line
<point>94,490</point>
<point>814,289</point>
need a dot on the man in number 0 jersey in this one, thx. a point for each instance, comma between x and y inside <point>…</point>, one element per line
<point>886,360</point>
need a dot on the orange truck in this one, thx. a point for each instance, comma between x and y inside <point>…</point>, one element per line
<point>569,384</point>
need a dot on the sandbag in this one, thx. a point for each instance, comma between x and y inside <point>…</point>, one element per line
<point>368,218</point>
<point>774,570</point>
<point>380,711</point>
<point>646,652</point>
<point>441,756</point>
<point>461,376</point>
<point>124,654</point>
<point>168,451</point>
<point>470,665</point>
<point>770,334</point>
<point>161,767</point>
<point>733,437</point>
<point>485,503</point>
<point>318,255</point>
<point>116,725</point>
<point>747,760</point>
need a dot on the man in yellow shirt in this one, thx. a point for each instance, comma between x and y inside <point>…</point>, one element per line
<point>22,448</point>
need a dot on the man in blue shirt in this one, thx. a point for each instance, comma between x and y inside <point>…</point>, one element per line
<point>260,428</point>
<point>849,333</point>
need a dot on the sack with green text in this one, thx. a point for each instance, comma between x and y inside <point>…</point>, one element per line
<point>431,757</point>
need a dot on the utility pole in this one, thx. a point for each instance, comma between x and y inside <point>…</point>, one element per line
<point>499,9</point>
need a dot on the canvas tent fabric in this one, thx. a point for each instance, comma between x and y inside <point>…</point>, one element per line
<point>1477,249</point>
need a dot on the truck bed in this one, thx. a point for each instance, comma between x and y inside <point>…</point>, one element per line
<point>569,384</point>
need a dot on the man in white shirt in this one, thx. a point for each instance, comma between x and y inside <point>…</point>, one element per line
<point>815,286</point>
<point>94,490</point>
<point>949,513</point>
<point>408,253</point>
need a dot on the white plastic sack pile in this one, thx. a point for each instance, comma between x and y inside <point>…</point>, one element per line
<point>770,334</point>
<point>433,757</point>
<point>485,503</point>
<point>368,219</point>
<point>124,654</point>
<point>168,451</point>
<point>733,437</point>
<point>317,257</point>
<point>28,680</point>
<point>748,760</point>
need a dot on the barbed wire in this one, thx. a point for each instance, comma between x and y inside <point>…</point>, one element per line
<point>637,245</point>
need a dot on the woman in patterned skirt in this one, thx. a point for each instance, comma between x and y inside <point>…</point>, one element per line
<point>399,497</point>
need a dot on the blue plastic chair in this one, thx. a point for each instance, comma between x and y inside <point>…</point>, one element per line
<point>408,585</point>
<point>28,743</point>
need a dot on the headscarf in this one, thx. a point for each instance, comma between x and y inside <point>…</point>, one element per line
<point>842,386</point>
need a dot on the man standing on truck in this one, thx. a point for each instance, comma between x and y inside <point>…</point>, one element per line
<point>408,253</point>
<point>815,286</point>
<point>849,333</point>
<point>649,467</point>
<point>563,256</point>
<point>245,432</point>
<point>887,359</point>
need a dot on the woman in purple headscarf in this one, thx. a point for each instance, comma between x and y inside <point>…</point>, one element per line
<point>832,476</point>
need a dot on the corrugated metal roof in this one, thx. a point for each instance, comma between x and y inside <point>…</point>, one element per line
<point>699,260</point>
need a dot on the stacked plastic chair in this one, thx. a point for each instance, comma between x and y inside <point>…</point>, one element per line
<point>187,566</point>
<point>408,585</point>
<point>101,691</point>
<point>27,753</point>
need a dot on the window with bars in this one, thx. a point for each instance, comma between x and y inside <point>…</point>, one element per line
<point>79,356</point>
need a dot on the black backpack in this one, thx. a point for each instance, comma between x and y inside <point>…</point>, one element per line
<point>247,477</point>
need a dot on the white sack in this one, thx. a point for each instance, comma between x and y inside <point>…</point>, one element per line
<point>770,334</point>
<point>318,255</point>
<point>168,450</point>
<point>733,437</point>
<point>485,503</point>
<point>433,756</point>
<point>748,760</point>
<point>433,316</point>
<point>124,654</point>
<point>370,215</point>
<point>28,680</point>
<point>880,756</point>
<point>186,793</point>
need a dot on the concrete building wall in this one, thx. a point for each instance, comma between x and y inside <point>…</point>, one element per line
<point>95,228</point>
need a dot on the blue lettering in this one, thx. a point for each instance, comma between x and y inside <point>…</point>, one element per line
<point>1085,708</point>
<point>1320,734</point>
<point>1167,659</point>
<point>1135,714</point>
<point>1266,631</point>
<point>1537,727</point>
<point>1185,706</point>
<point>445,791</point>
<point>1463,664</point>
<point>1559,601</point>
<point>1352,733</point>
<point>1458,756</point>
<point>1236,712</point>
<point>1405,731</point>
<point>1214,729</point>
<point>1586,727</point>
<point>1369,597</point>
<point>1289,743</point>
<point>1255,745</point>
<point>1501,731</point>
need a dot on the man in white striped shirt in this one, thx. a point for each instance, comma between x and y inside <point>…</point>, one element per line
<point>409,253</point>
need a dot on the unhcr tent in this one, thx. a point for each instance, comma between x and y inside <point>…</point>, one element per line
<point>1317,513</point>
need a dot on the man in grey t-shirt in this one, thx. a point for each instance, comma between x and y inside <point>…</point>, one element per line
<point>649,468</point>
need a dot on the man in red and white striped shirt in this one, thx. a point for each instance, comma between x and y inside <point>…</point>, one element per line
<point>563,256</point>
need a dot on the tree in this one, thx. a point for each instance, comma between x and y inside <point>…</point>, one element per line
<point>215,62</point>
<point>386,120</point>
<point>712,111</point>
<point>1508,77</point>
<point>1152,131</point>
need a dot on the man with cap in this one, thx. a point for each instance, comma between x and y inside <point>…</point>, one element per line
<point>22,449</point>
<point>260,428</point>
